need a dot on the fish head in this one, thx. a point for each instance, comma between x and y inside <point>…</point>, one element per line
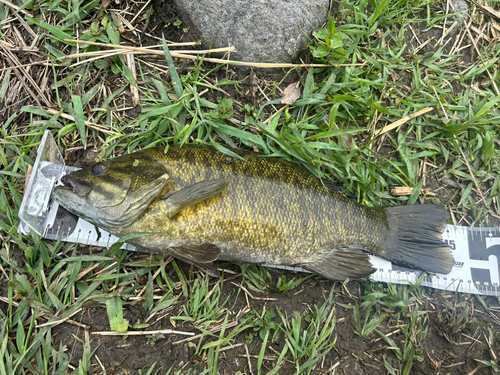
<point>113,194</point>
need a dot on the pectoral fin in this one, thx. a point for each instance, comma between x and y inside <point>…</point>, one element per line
<point>202,256</point>
<point>193,194</point>
<point>342,263</point>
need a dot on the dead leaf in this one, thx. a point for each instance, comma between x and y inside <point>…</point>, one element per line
<point>291,93</point>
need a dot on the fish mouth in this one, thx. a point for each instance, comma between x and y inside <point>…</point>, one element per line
<point>77,186</point>
<point>69,185</point>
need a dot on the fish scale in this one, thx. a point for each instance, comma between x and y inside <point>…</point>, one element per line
<point>252,201</point>
<point>253,209</point>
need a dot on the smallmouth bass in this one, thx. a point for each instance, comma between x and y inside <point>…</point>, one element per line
<point>199,205</point>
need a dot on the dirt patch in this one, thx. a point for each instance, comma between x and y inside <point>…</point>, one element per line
<point>444,350</point>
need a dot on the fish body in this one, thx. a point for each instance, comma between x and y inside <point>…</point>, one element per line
<point>198,204</point>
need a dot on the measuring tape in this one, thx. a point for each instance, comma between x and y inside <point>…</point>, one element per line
<point>476,250</point>
<point>476,269</point>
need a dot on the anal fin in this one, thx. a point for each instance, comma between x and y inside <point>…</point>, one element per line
<point>342,263</point>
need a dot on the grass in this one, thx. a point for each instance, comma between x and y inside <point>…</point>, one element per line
<point>309,345</point>
<point>338,129</point>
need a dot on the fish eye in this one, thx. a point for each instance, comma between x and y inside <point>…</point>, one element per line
<point>98,168</point>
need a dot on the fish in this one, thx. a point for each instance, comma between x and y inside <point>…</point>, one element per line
<point>200,205</point>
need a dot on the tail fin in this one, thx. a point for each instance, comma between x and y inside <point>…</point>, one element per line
<point>418,242</point>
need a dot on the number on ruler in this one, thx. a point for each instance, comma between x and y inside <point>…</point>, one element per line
<point>452,244</point>
<point>481,248</point>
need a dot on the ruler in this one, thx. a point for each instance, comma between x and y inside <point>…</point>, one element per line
<point>476,250</point>
<point>476,269</point>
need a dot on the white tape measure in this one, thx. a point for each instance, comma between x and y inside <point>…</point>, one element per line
<point>476,250</point>
<point>476,269</point>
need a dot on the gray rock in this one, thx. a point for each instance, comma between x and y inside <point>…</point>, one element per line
<point>261,30</point>
<point>453,24</point>
<point>462,9</point>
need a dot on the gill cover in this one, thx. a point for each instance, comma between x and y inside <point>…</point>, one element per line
<point>113,194</point>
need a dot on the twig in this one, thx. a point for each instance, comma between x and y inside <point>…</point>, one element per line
<point>106,54</point>
<point>402,121</point>
<point>216,329</point>
<point>333,367</point>
<point>45,63</point>
<point>149,50</point>
<point>229,347</point>
<point>453,365</point>
<point>142,333</point>
<point>137,51</point>
<point>250,294</point>
<point>248,359</point>
<point>213,330</point>
<point>440,103</point>
<point>406,190</point>
<point>140,11</point>
<point>4,273</point>
<point>15,65</point>
<point>214,60</point>
<point>474,179</point>
<point>87,123</point>
<point>26,26</point>
<point>17,8</point>
<point>100,364</point>
<point>129,58</point>
<point>67,319</point>
<point>86,271</point>
<point>267,358</point>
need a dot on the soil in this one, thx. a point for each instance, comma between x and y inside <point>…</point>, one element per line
<point>447,350</point>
